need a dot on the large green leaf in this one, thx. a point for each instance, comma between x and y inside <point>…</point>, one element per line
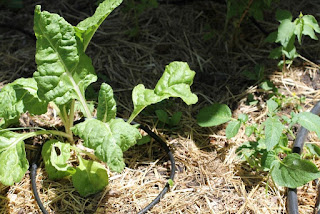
<point>90,177</point>
<point>107,109</point>
<point>293,171</point>
<point>175,82</point>
<point>13,161</point>
<point>108,140</point>
<point>273,132</point>
<point>86,28</point>
<point>18,97</point>
<point>214,115</point>
<point>55,156</point>
<point>64,71</point>
<point>309,121</point>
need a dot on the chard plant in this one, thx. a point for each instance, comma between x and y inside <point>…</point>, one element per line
<point>288,31</point>
<point>63,73</point>
<point>268,148</point>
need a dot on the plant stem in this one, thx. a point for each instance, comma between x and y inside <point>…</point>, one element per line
<point>312,63</point>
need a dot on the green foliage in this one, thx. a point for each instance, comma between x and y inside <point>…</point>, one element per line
<point>63,74</point>
<point>239,8</point>
<point>214,115</point>
<point>135,8</point>
<point>90,177</point>
<point>166,119</point>
<point>271,142</point>
<point>288,30</point>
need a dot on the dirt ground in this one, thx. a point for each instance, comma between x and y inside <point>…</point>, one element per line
<point>210,178</point>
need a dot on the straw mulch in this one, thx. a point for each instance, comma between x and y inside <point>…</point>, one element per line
<point>209,177</point>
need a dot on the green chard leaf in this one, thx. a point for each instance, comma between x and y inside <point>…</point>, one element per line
<point>86,28</point>
<point>109,140</point>
<point>214,115</point>
<point>273,132</point>
<point>64,71</point>
<point>90,177</point>
<point>18,97</point>
<point>107,109</point>
<point>13,161</point>
<point>293,172</point>
<point>175,82</point>
<point>55,155</point>
<point>309,121</point>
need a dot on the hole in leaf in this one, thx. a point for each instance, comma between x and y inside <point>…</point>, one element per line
<point>58,151</point>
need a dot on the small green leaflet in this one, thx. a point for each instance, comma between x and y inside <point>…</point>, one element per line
<point>214,115</point>
<point>109,140</point>
<point>86,28</point>
<point>18,97</point>
<point>232,128</point>
<point>313,149</point>
<point>309,121</point>
<point>107,109</point>
<point>56,163</point>
<point>272,106</point>
<point>175,82</point>
<point>64,71</point>
<point>273,132</point>
<point>90,177</point>
<point>13,161</point>
<point>293,171</point>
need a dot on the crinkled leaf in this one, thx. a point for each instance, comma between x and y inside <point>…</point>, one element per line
<point>55,156</point>
<point>86,28</point>
<point>175,82</point>
<point>18,97</point>
<point>90,177</point>
<point>64,71</point>
<point>214,115</point>
<point>125,134</point>
<point>13,161</point>
<point>232,129</point>
<point>108,140</point>
<point>309,121</point>
<point>293,172</point>
<point>273,132</point>
<point>285,32</point>
<point>107,109</point>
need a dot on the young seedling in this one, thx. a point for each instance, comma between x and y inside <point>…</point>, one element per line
<point>287,31</point>
<point>63,74</point>
<point>269,150</point>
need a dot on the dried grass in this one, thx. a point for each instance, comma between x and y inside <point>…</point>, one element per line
<point>209,176</point>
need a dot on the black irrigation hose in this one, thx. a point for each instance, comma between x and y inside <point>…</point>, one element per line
<point>33,172</point>
<point>292,198</point>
